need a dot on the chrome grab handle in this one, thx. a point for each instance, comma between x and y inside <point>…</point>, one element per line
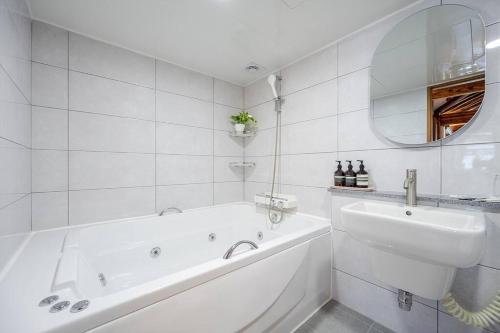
<point>230,251</point>
<point>178,210</point>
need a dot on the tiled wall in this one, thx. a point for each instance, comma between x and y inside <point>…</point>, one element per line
<point>117,134</point>
<point>326,116</point>
<point>15,125</point>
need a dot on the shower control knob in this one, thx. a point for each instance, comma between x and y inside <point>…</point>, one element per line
<point>48,300</point>
<point>59,306</point>
<point>79,306</point>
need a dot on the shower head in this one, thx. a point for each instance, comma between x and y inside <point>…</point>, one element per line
<point>272,80</point>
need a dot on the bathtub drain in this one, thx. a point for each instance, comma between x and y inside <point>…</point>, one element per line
<point>260,235</point>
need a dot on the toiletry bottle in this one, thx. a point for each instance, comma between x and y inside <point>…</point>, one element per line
<point>362,176</point>
<point>339,177</point>
<point>350,176</point>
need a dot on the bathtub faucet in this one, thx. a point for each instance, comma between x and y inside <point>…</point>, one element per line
<point>178,210</point>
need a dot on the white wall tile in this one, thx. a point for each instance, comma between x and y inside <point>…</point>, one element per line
<point>49,128</point>
<point>16,217</point>
<point>257,93</point>
<point>312,70</point>
<point>262,172</point>
<point>387,167</point>
<point>228,94</point>
<point>354,91</point>
<point>108,133</point>
<point>100,205</point>
<point>222,114</point>
<point>16,122</point>
<point>225,173</point>
<point>93,170</point>
<point>177,139</point>
<point>19,72</point>
<point>261,144</point>
<point>15,35</point>
<point>184,196</point>
<point>99,95</point>
<point>381,305</point>
<point>316,102</point>
<point>49,44</point>
<point>50,210</point>
<point>183,169</point>
<point>94,57</point>
<point>308,169</point>
<point>252,188</point>
<point>9,92</point>
<point>181,81</point>
<point>49,170</point>
<point>228,192</point>
<point>303,137</point>
<point>15,168</point>
<point>50,86</point>
<point>493,55</point>
<point>226,145</point>
<point>265,114</point>
<point>312,200</point>
<point>356,132</point>
<point>176,109</point>
<point>469,169</point>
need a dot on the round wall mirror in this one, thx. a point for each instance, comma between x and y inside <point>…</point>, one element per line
<point>427,75</point>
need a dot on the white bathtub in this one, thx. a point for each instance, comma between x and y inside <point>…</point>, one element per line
<point>188,287</point>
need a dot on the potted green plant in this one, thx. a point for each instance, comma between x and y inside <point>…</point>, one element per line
<point>242,120</point>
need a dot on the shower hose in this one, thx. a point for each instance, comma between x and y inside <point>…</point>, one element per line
<point>487,317</point>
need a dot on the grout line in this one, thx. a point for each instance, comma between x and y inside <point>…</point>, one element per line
<point>68,132</point>
<point>14,83</point>
<point>31,125</point>
<point>14,142</point>
<point>23,195</point>
<point>156,139</point>
<point>213,142</point>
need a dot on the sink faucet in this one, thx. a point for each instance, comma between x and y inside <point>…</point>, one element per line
<point>410,185</point>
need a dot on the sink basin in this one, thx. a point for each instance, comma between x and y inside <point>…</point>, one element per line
<point>410,242</point>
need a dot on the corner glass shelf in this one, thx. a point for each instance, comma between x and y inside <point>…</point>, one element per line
<point>242,164</point>
<point>245,134</point>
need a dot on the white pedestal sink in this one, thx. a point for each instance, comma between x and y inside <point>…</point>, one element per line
<point>417,249</point>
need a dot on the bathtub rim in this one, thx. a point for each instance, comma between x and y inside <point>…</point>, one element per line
<point>113,306</point>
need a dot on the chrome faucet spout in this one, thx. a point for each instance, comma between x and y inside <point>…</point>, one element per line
<point>410,185</point>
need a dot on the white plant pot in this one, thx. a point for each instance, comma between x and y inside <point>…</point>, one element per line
<point>240,128</point>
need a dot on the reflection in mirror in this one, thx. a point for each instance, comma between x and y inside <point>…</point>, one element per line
<point>427,75</point>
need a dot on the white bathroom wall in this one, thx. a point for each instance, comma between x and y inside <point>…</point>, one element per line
<point>326,116</point>
<point>117,134</point>
<point>15,125</point>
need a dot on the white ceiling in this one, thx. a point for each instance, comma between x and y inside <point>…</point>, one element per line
<point>217,37</point>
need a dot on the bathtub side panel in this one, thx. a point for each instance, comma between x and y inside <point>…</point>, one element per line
<point>255,298</point>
